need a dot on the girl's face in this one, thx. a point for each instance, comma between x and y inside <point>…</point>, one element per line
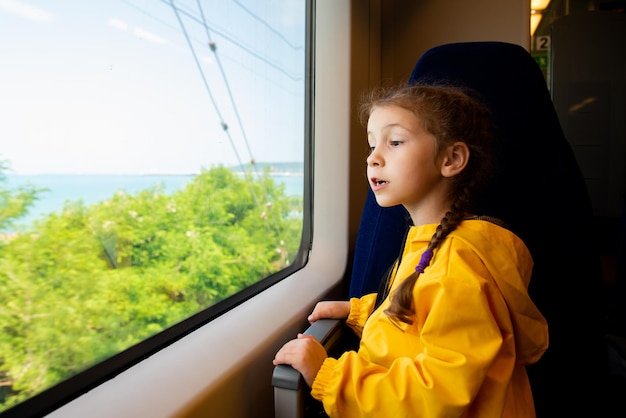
<point>403,166</point>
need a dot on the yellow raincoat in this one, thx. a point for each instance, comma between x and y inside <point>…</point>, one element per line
<point>474,332</point>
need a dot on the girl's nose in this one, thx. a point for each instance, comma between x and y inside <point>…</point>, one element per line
<point>373,159</point>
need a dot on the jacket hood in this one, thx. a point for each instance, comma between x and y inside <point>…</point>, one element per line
<point>510,263</point>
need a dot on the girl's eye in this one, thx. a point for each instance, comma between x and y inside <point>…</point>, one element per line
<point>395,143</point>
<point>371,149</point>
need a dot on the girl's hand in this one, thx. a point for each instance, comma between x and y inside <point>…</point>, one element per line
<point>330,309</point>
<point>305,354</point>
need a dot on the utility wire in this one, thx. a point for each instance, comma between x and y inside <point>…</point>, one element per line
<point>242,46</point>
<point>205,82</point>
<point>267,25</point>
<point>213,47</point>
<point>222,121</point>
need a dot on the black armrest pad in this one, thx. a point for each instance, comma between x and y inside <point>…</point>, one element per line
<point>327,332</point>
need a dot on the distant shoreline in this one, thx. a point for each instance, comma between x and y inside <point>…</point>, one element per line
<point>270,173</point>
<point>287,169</point>
<point>92,188</point>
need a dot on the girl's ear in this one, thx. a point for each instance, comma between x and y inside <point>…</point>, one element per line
<point>455,159</point>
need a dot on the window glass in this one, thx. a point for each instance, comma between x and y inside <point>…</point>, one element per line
<point>151,167</point>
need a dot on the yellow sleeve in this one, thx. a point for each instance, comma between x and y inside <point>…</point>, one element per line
<point>447,353</point>
<point>360,309</point>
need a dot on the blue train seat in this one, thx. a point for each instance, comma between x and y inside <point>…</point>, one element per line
<point>540,193</point>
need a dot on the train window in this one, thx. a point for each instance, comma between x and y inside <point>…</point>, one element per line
<point>153,174</point>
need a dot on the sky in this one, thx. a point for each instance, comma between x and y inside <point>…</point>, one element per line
<point>132,86</point>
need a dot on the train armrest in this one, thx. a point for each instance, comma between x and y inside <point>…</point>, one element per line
<point>288,383</point>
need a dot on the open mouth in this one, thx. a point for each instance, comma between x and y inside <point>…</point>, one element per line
<point>379,182</point>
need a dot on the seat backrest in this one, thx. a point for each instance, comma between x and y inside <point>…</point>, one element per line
<point>539,192</point>
<point>380,236</point>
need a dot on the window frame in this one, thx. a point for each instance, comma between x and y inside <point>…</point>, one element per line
<point>224,368</point>
<point>55,397</point>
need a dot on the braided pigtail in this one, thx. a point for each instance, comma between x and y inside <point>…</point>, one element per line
<point>401,307</point>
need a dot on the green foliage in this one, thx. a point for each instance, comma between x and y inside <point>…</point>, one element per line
<point>91,281</point>
<point>14,203</point>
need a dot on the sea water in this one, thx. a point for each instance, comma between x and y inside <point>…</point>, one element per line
<point>93,188</point>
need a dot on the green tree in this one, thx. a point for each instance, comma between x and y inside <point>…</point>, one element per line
<point>91,281</point>
<point>14,203</point>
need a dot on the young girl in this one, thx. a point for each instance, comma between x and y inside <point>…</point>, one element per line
<point>456,326</point>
